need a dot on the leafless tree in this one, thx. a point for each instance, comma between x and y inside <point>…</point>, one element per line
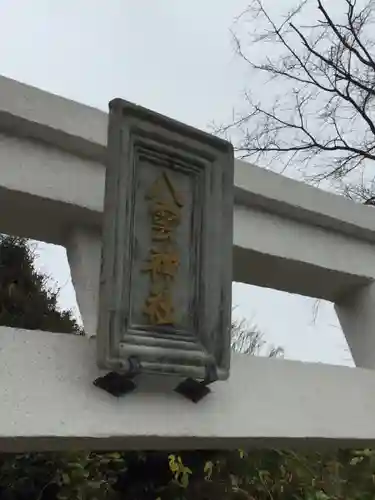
<point>248,339</point>
<point>310,101</point>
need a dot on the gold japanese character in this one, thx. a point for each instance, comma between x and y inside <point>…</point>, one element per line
<point>165,218</point>
<point>165,208</point>
<point>162,263</point>
<point>159,307</point>
<point>157,190</point>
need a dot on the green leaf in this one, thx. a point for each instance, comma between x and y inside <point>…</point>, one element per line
<point>65,478</point>
<point>184,480</point>
<point>320,495</point>
<point>356,460</point>
<point>208,469</point>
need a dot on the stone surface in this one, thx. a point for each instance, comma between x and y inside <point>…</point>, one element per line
<point>166,276</point>
<point>286,235</point>
<point>356,314</point>
<point>49,402</point>
<point>83,247</point>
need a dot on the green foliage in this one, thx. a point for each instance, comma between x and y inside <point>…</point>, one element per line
<point>27,302</point>
<point>77,475</point>
<point>187,475</point>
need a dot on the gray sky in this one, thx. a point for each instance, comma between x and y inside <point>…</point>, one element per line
<point>176,58</point>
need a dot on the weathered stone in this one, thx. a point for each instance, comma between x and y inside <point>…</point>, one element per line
<point>166,274</point>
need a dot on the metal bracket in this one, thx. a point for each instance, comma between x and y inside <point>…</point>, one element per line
<point>197,390</point>
<point>119,384</point>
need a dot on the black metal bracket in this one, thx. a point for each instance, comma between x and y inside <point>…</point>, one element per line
<point>195,390</point>
<point>119,384</point>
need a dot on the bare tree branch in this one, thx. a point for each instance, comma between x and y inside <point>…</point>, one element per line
<point>342,38</point>
<point>248,339</point>
<point>318,113</point>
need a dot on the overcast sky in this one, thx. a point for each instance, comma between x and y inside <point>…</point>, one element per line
<point>177,58</point>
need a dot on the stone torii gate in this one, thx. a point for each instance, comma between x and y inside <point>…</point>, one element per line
<point>286,236</point>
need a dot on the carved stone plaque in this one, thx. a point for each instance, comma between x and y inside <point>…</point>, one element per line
<point>166,277</point>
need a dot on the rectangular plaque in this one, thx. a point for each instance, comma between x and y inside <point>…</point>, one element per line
<point>166,273</point>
